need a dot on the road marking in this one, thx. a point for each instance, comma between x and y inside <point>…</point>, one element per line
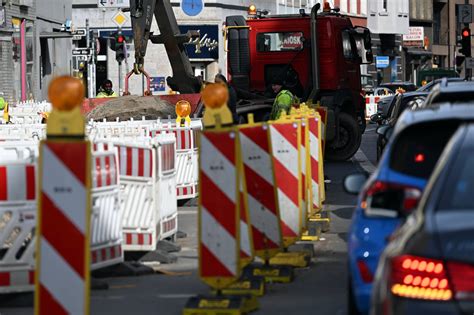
<point>123,286</point>
<point>175,296</point>
<point>364,162</point>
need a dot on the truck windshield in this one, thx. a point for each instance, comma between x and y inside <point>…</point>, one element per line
<point>283,41</point>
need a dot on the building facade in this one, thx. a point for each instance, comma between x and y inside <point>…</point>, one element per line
<point>27,58</point>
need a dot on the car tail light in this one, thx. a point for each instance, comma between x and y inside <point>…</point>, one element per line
<point>387,199</point>
<point>462,278</point>
<point>420,278</point>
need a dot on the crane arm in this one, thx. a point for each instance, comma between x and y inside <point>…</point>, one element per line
<point>142,12</point>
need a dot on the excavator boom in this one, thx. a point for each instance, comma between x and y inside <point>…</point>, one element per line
<point>142,12</point>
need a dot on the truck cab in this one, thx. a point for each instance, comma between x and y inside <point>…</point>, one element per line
<point>320,65</point>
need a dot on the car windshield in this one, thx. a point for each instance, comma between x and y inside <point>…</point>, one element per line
<point>417,149</point>
<point>460,184</point>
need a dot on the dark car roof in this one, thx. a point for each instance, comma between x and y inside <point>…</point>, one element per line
<point>446,91</point>
<point>436,112</point>
<point>437,81</point>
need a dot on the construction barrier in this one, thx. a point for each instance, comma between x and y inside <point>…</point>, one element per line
<point>285,143</point>
<point>18,204</point>
<point>371,105</point>
<point>260,197</point>
<point>22,132</point>
<point>323,113</point>
<point>148,178</point>
<point>29,112</point>
<point>219,240</point>
<point>17,217</point>
<point>63,259</point>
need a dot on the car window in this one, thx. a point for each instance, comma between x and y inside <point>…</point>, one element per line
<point>417,149</point>
<point>460,184</point>
<point>409,102</point>
<point>394,105</point>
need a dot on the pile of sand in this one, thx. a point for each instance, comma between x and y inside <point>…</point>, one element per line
<point>135,107</point>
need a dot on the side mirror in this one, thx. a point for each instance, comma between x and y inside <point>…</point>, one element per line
<point>376,118</point>
<point>353,183</point>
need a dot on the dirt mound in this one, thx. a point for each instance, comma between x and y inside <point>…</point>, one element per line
<point>136,107</point>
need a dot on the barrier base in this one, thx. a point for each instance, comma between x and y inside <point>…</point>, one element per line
<point>220,305</point>
<point>271,273</point>
<point>293,259</point>
<point>254,286</point>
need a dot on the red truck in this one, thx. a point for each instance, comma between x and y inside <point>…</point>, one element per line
<point>318,56</point>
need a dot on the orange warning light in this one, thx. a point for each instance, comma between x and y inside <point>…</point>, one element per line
<point>183,108</point>
<point>326,7</point>
<point>252,9</point>
<point>66,93</point>
<point>215,95</point>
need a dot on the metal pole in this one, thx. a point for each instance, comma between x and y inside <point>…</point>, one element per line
<point>89,68</point>
<point>466,70</point>
<point>119,31</point>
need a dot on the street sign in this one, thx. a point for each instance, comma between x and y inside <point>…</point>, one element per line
<point>113,3</point>
<point>82,51</point>
<point>119,18</point>
<point>382,61</point>
<point>464,13</point>
<point>469,63</point>
<point>79,32</point>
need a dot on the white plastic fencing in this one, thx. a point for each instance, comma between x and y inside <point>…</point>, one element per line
<point>22,132</point>
<point>18,207</point>
<point>17,217</point>
<point>186,156</point>
<point>28,112</point>
<point>148,180</point>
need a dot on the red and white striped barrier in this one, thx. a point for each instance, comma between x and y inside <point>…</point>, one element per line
<point>106,219</point>
<point>306,194</point>
<point>261,198</point>
<point>323,113</point>
<point>246,243</point>
<point>317,179</point>
<point>219,241</point>
<point>62,262</point>
<point>285,142</point>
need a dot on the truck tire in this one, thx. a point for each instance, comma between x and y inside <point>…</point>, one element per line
<point>348,141</point>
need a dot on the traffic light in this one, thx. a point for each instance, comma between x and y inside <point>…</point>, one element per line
<point>120,47</point>
<point>465,42</point>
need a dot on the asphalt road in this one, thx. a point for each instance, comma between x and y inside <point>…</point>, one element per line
<point>320,289</point>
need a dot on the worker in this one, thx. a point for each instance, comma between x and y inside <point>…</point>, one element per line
<point>106,90</point>
<point>284,99</point>
<point>232,103</point>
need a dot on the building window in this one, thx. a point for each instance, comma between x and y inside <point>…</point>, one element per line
<point>384,5</point>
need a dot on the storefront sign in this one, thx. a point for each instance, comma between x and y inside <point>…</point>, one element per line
<point>415,37</point>
<point>207,45</point>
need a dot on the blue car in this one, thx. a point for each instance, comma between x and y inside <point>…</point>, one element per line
<point>392,192</point>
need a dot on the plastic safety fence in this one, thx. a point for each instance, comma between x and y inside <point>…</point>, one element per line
<point>18,207</point>
<point>186,156</point>
<point>29,112</point>
<point>148,179</point>
<point>22,132</point>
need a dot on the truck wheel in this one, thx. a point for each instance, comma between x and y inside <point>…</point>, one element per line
<point>348,141</point>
